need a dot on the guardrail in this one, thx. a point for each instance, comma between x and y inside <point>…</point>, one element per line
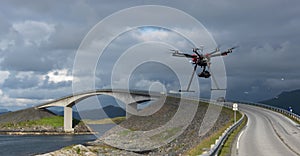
<point>215,148</point>
<point>276,109</point>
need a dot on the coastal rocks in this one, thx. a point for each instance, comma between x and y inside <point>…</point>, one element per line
<point>77,150</point>
<point>81,127</point>
<point>91,150</point>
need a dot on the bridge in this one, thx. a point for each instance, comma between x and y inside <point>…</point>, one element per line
<point>131,98</point>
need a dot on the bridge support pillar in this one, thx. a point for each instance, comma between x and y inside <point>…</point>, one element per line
<point>131,109</point>
<point>68,117</point>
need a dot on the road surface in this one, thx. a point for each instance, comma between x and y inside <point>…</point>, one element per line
<point>267,133</point>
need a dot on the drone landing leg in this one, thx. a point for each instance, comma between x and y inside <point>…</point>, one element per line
<point>216,84</point>
<point>190,82</point>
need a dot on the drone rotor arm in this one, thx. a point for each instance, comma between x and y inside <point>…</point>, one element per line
<point>197,53</point>
<point>215,51</point>
<point>217,54</point>
<point>189,56</point>
<point>224,53</point>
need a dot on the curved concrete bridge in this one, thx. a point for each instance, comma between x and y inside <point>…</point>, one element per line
<point>131,98</point>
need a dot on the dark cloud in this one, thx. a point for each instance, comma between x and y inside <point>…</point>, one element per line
<point>265,64</point>
<point>27,62</point>
<point>19,81</point>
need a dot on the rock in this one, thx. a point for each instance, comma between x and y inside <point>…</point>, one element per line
<point>77,150</point>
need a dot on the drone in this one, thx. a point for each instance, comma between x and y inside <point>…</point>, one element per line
<point>202,60</point>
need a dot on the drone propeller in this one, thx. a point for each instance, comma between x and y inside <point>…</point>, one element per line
<point>228,51</point>
<point>233,47</point>
<point>174,50</point>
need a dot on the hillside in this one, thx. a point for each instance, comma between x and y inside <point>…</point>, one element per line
<point>106,112</point>
<point>286,99</point>
<point>3,111</point>
<point>25,115</point>
<point>140,134</point>
<point>35,120</point>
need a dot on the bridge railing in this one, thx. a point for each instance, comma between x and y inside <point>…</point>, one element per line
<point>276,109</point>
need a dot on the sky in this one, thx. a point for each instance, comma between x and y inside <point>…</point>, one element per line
<point>39,42</point>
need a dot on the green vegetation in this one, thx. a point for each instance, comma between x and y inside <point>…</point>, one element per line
<point>125,132</point>
<point>58,121</point>
<point>68,147</point>
<point>205,143</point>
<point>78,150</point>
<point>115,120</point>
<point>54,121</point>
<point>226,149</point>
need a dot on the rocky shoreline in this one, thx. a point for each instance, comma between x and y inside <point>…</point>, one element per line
<point>44,133</point>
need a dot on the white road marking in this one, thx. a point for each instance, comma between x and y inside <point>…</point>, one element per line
<point>238,141</point>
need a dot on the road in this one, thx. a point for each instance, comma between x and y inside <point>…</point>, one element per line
<point>267,133</point>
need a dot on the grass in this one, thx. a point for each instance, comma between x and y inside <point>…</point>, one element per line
<point>54,121</point>
<point>115,120</point>
<point>205,143</point>
<point>125,132</point>
<point>226,149</point>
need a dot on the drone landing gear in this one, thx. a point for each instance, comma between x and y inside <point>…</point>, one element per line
<point>186,91</point>
<point>204,74</point>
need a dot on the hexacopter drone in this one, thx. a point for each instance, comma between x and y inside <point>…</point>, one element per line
<point>202,60</point>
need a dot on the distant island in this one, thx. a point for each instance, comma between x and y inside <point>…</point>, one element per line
<point>285,100</point>
<point>3,111</point>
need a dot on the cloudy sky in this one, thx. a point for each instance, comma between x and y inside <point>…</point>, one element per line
<point>39,40</point>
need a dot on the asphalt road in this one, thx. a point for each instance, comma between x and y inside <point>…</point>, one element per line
<point>267,133</point>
